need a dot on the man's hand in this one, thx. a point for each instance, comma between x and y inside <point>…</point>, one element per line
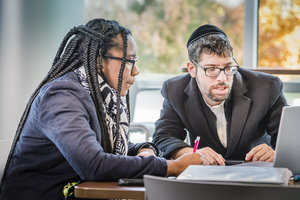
<point>210,157</point>
<point>262,152</point>
<point>146,152</point>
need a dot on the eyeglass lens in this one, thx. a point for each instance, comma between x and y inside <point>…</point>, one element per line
<point>216,71</point>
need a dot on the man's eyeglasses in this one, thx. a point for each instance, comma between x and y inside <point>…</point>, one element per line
<point>215,71</point>
<point>127,60</point>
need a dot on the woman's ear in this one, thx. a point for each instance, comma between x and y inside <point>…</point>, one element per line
<point>104,64</point>
<point>191,69</point>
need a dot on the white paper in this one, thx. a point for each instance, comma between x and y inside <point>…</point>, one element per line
<point>246,174</point>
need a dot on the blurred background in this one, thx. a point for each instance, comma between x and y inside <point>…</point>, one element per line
<point>265,35</point>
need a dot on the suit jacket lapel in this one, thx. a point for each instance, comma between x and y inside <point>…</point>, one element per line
<point>240,109</point>
<point>196,118</point>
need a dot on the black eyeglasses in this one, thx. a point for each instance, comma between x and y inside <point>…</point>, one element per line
<point>215,71</point>
<point>127,60</point>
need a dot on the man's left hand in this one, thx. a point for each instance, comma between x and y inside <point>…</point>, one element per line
<point>262,152</point>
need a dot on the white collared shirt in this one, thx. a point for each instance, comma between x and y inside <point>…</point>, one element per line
<point>219,111</point>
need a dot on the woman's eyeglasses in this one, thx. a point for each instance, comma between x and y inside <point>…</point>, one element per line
<point>127,60</point>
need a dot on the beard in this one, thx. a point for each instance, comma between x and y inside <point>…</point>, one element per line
<point>213,96</point>
<point>218,97</point>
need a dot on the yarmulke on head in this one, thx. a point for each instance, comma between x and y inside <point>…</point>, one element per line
<point>204,30</point>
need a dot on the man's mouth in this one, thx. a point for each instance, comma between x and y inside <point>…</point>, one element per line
<point>221,89</point>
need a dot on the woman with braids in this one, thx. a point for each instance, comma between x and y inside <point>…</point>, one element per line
<point>75,126</point>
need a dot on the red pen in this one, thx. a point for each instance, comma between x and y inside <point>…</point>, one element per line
<point>196,144</point>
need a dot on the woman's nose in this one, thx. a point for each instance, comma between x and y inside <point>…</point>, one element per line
<point>135,70</point>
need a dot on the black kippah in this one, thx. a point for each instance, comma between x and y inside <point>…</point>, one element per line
<point>203,31</point>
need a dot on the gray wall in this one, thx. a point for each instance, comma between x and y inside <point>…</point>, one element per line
<point>30,34</point>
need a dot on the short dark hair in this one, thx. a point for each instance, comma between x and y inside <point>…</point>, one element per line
<point>217,44</point>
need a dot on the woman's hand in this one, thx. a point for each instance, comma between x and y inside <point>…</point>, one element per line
<point>175,167</point>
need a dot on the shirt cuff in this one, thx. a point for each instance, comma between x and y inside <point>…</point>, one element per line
<point>149,146</point>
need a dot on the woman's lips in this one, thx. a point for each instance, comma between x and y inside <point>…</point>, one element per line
<point>129,84</point>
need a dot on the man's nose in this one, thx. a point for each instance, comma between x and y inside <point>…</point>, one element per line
<point>222,75</point>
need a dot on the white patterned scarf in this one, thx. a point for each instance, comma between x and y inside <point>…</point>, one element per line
<point>109,97</point>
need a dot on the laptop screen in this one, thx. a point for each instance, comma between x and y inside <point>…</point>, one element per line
<point>287,153</point>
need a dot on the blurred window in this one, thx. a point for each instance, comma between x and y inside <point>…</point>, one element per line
<point>162,28</point>
<point>279,34</point>
<point>279,43</point>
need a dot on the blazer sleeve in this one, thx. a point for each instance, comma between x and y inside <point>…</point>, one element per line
<point>170,133</point>
<point>65,119</point>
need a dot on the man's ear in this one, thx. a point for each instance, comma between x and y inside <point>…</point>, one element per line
<point>191,69</point>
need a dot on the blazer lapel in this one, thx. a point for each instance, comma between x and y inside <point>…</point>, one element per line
<point>240,110</point>
<point>196,118</point>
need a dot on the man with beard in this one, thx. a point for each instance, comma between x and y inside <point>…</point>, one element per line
<point>235,111</point>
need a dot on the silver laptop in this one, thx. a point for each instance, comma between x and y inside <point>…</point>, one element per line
<point>287,153</point>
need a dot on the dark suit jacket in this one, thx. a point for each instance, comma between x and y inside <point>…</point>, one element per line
<point>253,113</point>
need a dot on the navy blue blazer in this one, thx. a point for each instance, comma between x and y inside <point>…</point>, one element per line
<point>253,113</point>
<point>61,143</point>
